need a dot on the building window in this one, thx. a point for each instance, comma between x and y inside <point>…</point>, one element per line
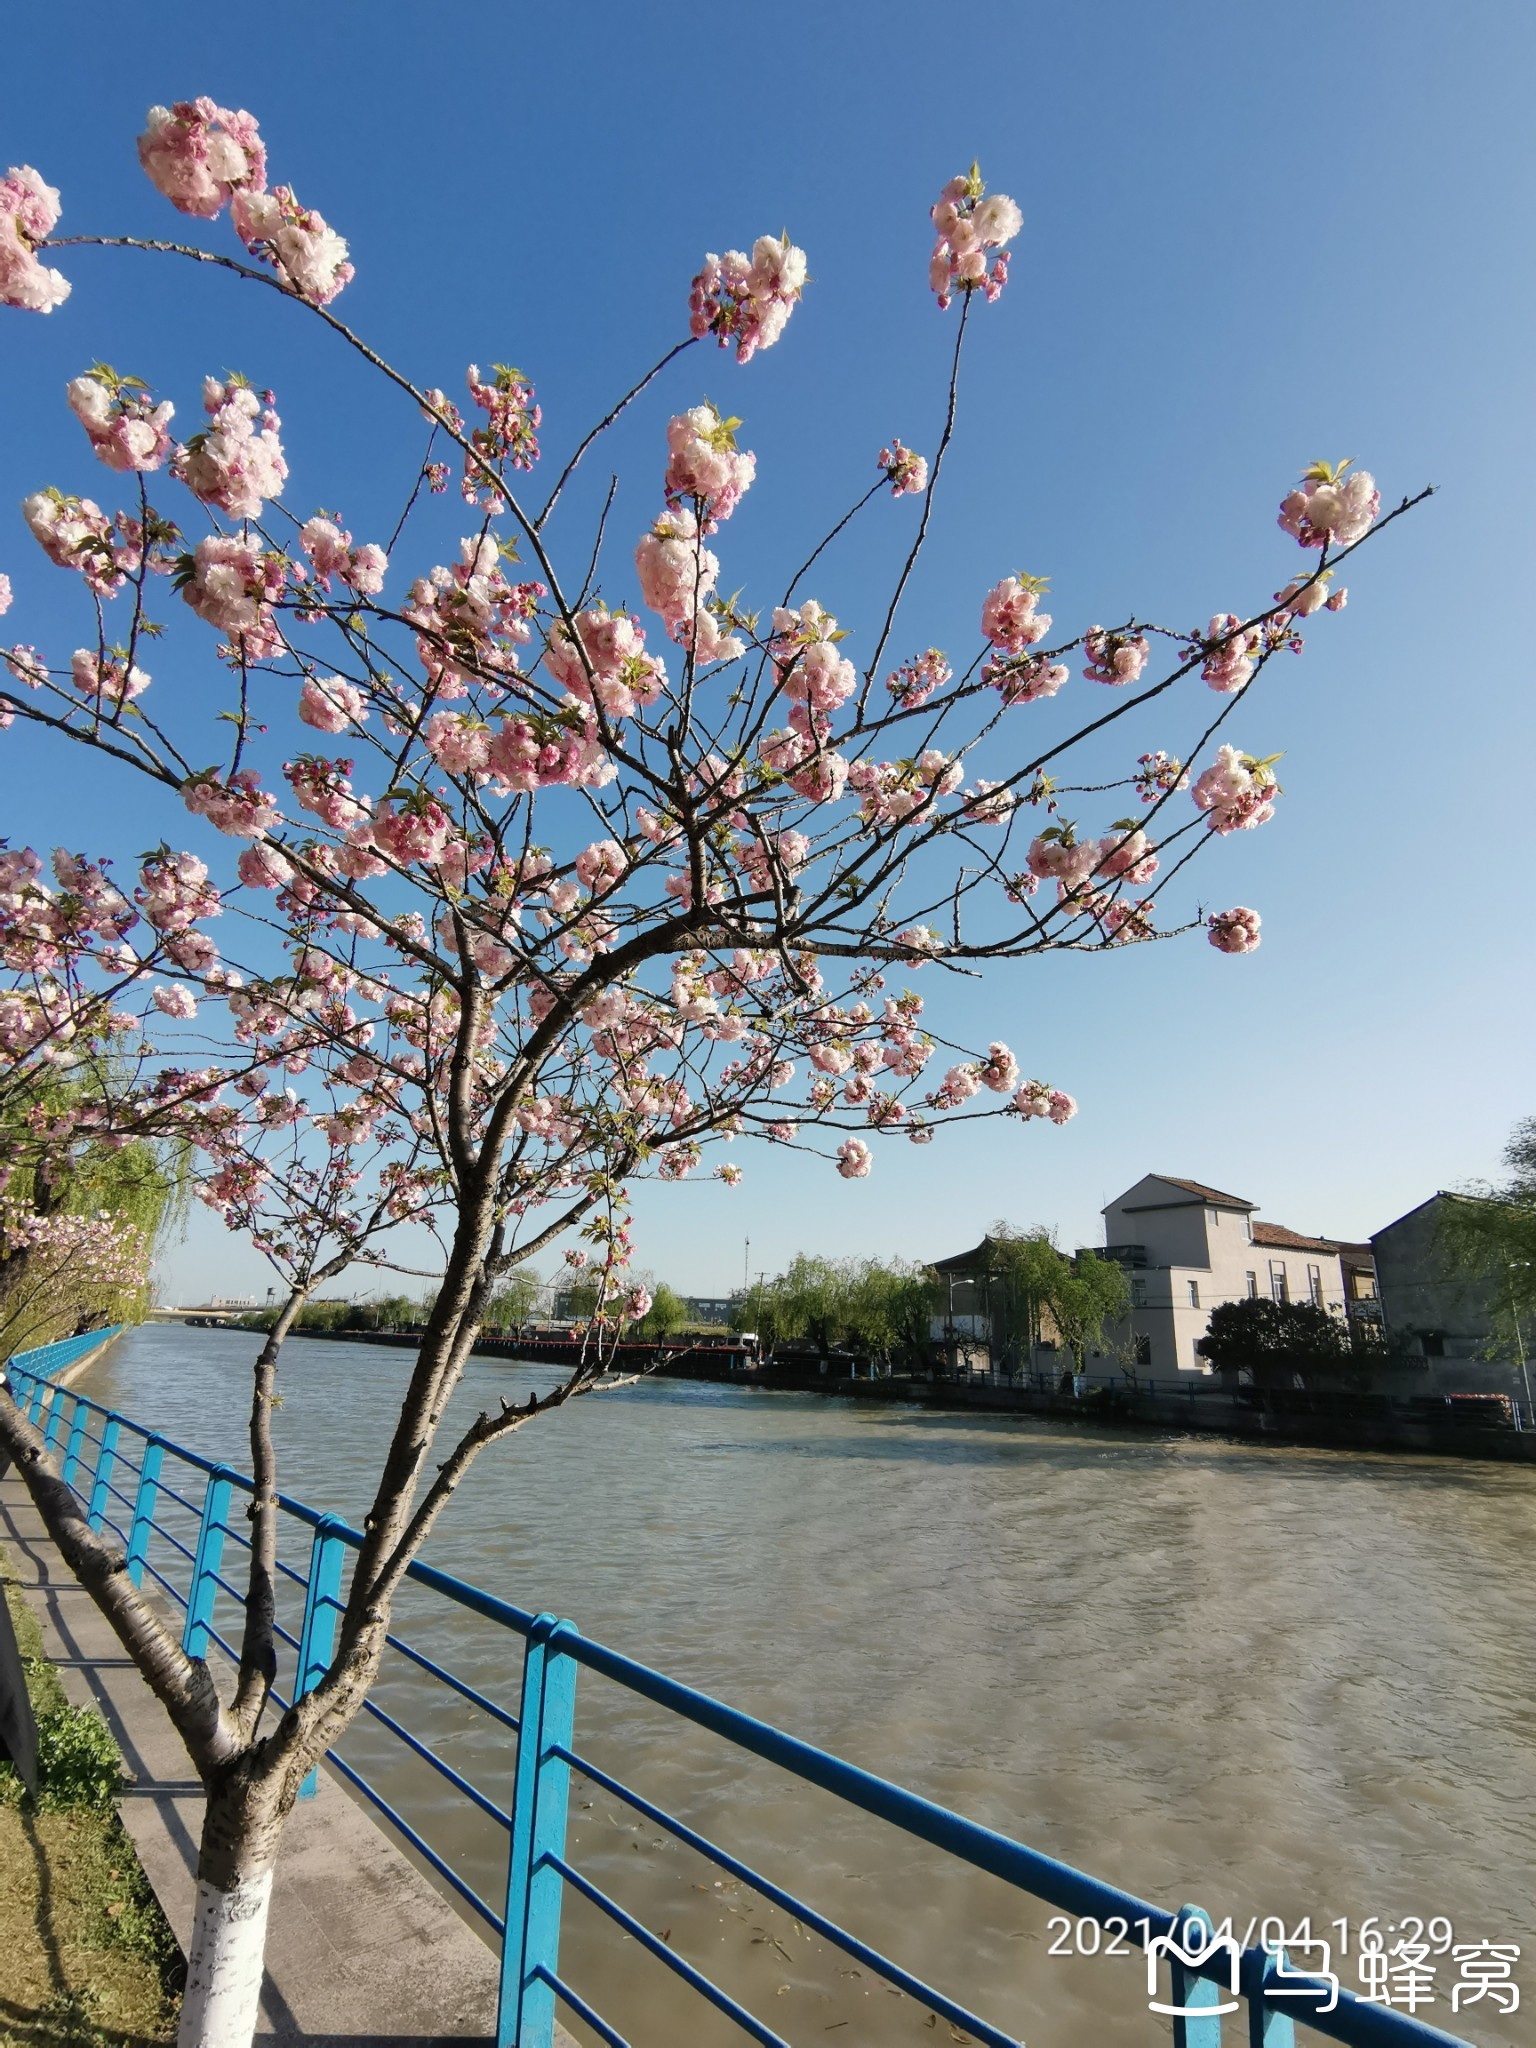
<point>1315,1285</point>
<point>1138,1294</point>
<point>1143,1350</point>
<point>1194,1293</point>
<point>1253,1285</point>
<point>1279,1287</point>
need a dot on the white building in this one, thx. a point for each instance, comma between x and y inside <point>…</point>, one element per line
<point>1185,1247</point>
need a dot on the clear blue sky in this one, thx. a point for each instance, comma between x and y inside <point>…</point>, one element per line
<point>1252,237</point>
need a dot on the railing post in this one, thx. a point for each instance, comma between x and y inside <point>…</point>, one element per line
<point>317,1637</point>
<point>106,1459</point>
<point>531,1945</point>
<point>1198,2024</point>
<point>76,1440</point>
<point>145,1496</point>
<point>210,1555</point>
<point>35,1406</point>
<point>1269,2026</point>
<point>55,1417</point>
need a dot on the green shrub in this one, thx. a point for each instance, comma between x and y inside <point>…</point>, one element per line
<point>78,1764</point>
<point>79,1768</point>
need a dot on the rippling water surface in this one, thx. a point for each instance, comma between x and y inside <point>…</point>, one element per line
<point>1282,1682</point>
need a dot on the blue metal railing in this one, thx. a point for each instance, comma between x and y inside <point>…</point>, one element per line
<point>1206,1981</point>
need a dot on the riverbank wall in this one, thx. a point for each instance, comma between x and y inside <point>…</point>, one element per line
<point>1361,1422</point>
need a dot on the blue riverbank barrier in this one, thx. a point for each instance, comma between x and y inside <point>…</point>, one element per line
<point>172,1509</point>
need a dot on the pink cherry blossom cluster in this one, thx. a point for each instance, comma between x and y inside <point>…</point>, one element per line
<point>74,533</point>
<point>234,583</point>
<point>1234,931</point>
<point>1114,657</point>
<point>237,463</point>
<point>1230,653</point>
<point>907,473</point>
<point>990,803</point>
<point>305,251</point>
<point>526,753</point>
<point>805,653</point>
<point>677,572</point>
<point>705,465</point>
<point>331,705</point>
<point>968,223</point>
<point>1304,595</point>
<point>470,621</point>
<point>745,301</point>
<point>804,757</point>
<point>175,999</point>
<point>1126,854</point>
<point>1024,679</point>
<point>1158,773</point>
<point>29,213</point>
<point>110,678</point>
<point>174,891</point>
<point>202,157</point>
<point>124,425</point>
<point>616,672</point>
<point>1330,508</point>
<point>98,1250</point>
<point>322,787</point>
<point>510,434</point>
<point>1236,792</point>
<point>1039,1099</point>
<point>1011,617</point>
<point>331,553</point>
<point>1058,855</point>
<point>893,792</point>
<point>237,805</point>
<point>198,155</point>
<point>917,680</point>
<point>854,1159</point>
<point>707,635</point>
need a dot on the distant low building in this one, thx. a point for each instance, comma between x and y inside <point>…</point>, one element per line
<point>1430,1311</point>
<point>1186,1247</point>
<point>710,1308</point>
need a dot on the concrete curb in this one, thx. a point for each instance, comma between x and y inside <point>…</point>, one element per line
<point>361,1947</point>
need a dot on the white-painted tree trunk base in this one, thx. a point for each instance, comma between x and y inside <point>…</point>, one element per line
<point>224,1968</point>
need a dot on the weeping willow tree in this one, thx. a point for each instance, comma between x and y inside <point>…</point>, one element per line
<point>80,1224</point>
<point>879,1309</point>
<point>1487,1234</point>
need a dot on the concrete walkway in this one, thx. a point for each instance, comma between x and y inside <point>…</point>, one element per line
<point>361,1948</point>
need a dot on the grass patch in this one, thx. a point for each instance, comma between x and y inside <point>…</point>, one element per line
<point>86,1957</point>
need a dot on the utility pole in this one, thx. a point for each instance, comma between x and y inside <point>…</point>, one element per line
<point>746,1266</point>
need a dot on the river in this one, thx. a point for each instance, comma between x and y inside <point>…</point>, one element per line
<point>1275,1682</point>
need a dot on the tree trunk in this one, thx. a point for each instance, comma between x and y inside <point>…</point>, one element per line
<point>235,1867</point>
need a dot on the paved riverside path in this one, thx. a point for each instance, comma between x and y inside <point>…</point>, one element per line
<point>361,1948</point>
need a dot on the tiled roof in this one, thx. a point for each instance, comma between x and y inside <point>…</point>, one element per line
<point>1197,1187</point>
<point>965,1262</point>
<point>1280,1239</point>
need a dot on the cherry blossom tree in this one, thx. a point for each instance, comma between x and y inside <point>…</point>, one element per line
<point>536,893</point>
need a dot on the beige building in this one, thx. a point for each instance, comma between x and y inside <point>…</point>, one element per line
<point>1185,1247</point>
